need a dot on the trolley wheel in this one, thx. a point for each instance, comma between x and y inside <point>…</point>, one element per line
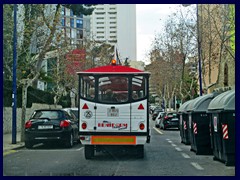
<point>89,151</point>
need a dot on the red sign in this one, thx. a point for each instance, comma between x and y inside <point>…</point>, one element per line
<point>75,61</point>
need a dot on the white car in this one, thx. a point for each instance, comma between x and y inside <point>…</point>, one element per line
<point>72,111</point>
<point>158,118</point>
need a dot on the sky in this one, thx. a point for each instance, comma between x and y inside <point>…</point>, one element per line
<point>148,24</point>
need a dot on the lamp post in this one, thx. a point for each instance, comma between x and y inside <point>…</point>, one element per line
<point>14,85</point>
<point>199,54</point>
<point>199,49</point>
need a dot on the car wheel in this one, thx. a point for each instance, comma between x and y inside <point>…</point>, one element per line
<point>28,144</point>
<point>69,143</point>
<point>89,151</point>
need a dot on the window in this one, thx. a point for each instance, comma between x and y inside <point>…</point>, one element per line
<point>71,13</point>
<point>87,84</point>
<point>113,89</point>
<point>138,87</point>
<point>79,23</point>
<point>63,11</point>
<point>63,22</point>
<point>99,12</point>
<point>72,22</point>
<point>79,34</point>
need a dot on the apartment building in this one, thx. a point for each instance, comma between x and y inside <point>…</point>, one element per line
<point>115,24</point>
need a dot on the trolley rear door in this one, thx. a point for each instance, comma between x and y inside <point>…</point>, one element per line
<point>113,118</point>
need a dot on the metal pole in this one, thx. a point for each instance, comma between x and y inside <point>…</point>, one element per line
<point>14,95</point>
<point>199,54</point>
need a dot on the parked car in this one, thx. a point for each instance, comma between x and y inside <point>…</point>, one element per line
<point>72,111</point>
<point>155,113</point>
<point>170,120</point>
<point>51,125</point>
<point>158,118</point>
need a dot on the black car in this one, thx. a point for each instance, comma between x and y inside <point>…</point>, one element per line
<point>51,125</point>
<point>170,120</point>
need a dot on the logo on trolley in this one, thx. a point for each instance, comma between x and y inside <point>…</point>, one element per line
<point>88,114</point>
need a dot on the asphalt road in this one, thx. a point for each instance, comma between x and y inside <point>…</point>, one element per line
<point>165,155</point>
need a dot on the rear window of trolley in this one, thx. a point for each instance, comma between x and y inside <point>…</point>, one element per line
<point>113,88</point>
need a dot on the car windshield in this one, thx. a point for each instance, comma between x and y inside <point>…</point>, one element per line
<point>172,115</point>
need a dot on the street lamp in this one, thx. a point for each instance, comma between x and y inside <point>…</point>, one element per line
<point>199,50</point>
<point>14,85</point>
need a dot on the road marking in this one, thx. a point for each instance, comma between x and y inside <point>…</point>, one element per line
<point>157,130</point>
<point>178,149</point>
<point>80,149</point>
<point>9,152</point>
<point>169,141</point>
<point>197,166</point>
<point>185,155</point>
<point>174,145</point>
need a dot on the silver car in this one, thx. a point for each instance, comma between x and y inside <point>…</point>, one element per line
<point>158,118</point>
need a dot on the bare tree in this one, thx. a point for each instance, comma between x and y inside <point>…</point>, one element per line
<point>35,16</point>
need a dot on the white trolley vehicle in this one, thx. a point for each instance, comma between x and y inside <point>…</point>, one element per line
<point>113,108</point>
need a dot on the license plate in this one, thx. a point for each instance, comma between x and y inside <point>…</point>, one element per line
<point>45,127</point>
<point>113,112</point>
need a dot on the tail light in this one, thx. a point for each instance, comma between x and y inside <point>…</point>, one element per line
<point>84,125</point>
<point>64,123</point>
<point>141,126</point>
<point>165,117</point>
<point>28,124</point>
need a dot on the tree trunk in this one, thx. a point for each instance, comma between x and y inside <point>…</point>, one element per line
<point>24,107</point>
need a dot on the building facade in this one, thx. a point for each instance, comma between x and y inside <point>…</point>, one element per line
<point>217,33</point>
<point>115,24</point>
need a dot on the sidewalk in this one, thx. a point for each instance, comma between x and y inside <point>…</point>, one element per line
<point>7,142</point>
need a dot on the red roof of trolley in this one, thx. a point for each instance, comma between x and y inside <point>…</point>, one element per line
<point>113,69</point>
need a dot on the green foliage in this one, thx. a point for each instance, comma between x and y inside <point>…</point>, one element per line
<point>7,40</point>
<point>65,101</point>
<point>79,9</point>
<point>151,99</point>
<point>126,63</point>
<point>33,96</point>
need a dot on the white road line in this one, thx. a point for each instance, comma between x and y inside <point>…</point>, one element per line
<point>170,141</point>
<point>197,166</point>
<point>80,149</point>
<point>185,155</point>
<point>157,130</point>
<point>174,145</point>
<point>178,149</point>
